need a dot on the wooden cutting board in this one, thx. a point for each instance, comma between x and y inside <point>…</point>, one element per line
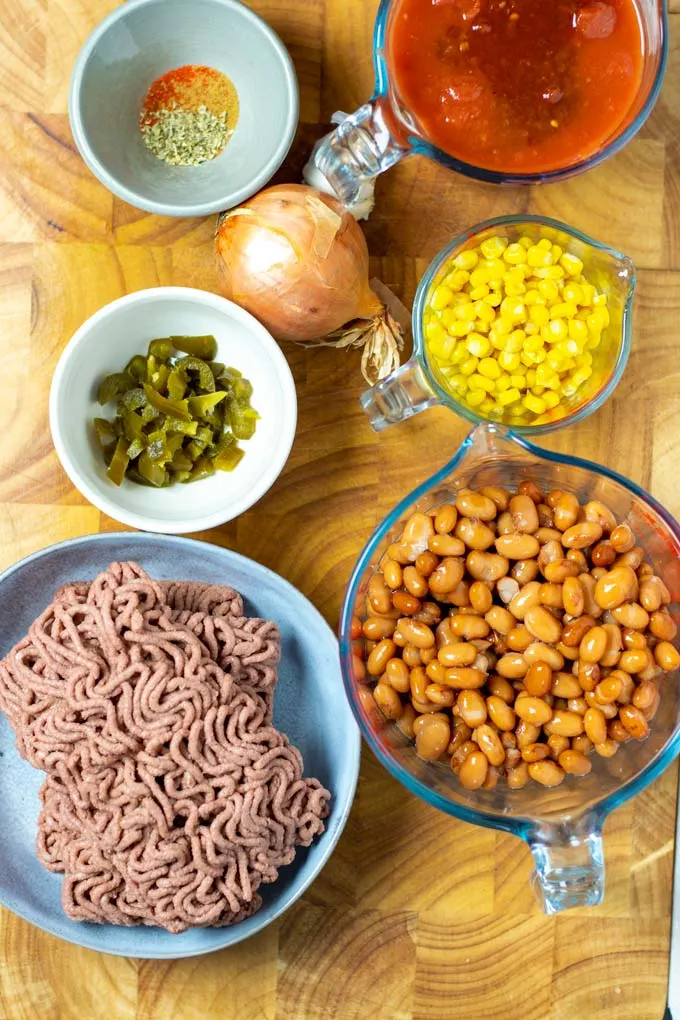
<point>417,915</point>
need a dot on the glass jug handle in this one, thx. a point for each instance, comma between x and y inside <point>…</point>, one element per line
<point>401,395</point>
<point>569,865</point>
<point>346,161</point>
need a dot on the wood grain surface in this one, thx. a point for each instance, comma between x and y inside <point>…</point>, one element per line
<point>417,916</point>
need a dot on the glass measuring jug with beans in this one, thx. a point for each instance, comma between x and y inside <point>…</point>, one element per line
<point>506,91</point>
<point>508,642</point>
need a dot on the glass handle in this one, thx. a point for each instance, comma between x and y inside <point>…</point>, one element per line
<point>401,395</point>
<point>569,866</point>
<point>346,161</point>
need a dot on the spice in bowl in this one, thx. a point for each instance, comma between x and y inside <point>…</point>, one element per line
<point>189,114</point>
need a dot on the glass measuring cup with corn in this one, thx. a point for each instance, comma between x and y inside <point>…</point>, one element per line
<point>522,321</point>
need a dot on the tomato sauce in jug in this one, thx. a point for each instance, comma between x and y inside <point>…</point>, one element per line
<point>517,86</point>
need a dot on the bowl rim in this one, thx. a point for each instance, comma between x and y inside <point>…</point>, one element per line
<point>146,522</point>
<point>130,195</point>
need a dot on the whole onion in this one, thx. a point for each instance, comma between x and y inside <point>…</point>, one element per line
<point>298,261</point>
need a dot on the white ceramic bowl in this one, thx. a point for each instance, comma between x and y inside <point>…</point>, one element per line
<point>143,39</point>
<point>106,342</point>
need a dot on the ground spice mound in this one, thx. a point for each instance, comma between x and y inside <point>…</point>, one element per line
<point>189,114</point>
<point>170,796</point>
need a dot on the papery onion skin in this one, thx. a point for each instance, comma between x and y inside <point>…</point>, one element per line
<point>299,267</point>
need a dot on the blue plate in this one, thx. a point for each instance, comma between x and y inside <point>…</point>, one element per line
<point>309,706</point>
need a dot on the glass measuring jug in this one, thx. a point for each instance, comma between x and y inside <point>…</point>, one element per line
<point>384,131</point>
<point>419,383</point>
<point>561,825</point>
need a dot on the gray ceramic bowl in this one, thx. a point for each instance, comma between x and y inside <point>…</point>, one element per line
<point>143,39</point>
<point>309,705</point>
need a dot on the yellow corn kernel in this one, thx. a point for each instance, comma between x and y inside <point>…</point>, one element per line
<point>496,284</point>
<point>577,330</point>
<point>478,382</point>
<point>512,309</point>
<point>502,383</point>
<point>469,366</point>
<point>466,259</point>
<point>462,327</point>
<point>549,273</point>
<point>588,293</point>
<point>526,242</point>
<point>460,353</point>
<point>598,319</point>
<point>517,273</point>
<point>442,349</point>
<point>514,288</point>
<point>557,330</point>
<point>494,299</point>
<point>477,293</point>
<point>548,290</point>
<point>502,327</point>
<point>456,280</point>
<point>575,380</point>
<point>466,311</point>
<point>563,310</point>
<point>479,276</point>
<point>481,327</point>
<point>584,359</point>
<point>571,264</point>
<point>534,403</point>
<point>499,342</point>
<point>543,374</point>
<point>475,397</point>
<point>484,311</point>
<point>441,297</point>
<point>533,297</point>
<point>509,361</point>
<point>526,359</point>
<point>533,344</point>
<point>518,381</point>
<point>507,397</point>
<point>495,268</point>
<point>557,252</point>
<point>457,382</point>
<point>537,390</point>
<point>493,247</point>
<point>447,317</point>
<point>515,342</point>
<point>551,399</point>
<point>478,345</point>
<point>593,341</point>
<point>573,293</point>
<point>544,244</point>
<point>539,315</point>
<point>434,331</point>
<point>486,406</point>
<point>538,257</point>
<point>555,361</point>
<point>531,377</point>
<point>531,329</point>
<point>515,255</point>
<point>489,368</point>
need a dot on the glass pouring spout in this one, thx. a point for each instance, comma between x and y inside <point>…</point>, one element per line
<point>346,162</point>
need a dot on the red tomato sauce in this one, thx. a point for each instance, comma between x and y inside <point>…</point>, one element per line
<point>517,86</point>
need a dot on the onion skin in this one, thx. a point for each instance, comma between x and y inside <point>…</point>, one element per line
<point>298,261</point>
